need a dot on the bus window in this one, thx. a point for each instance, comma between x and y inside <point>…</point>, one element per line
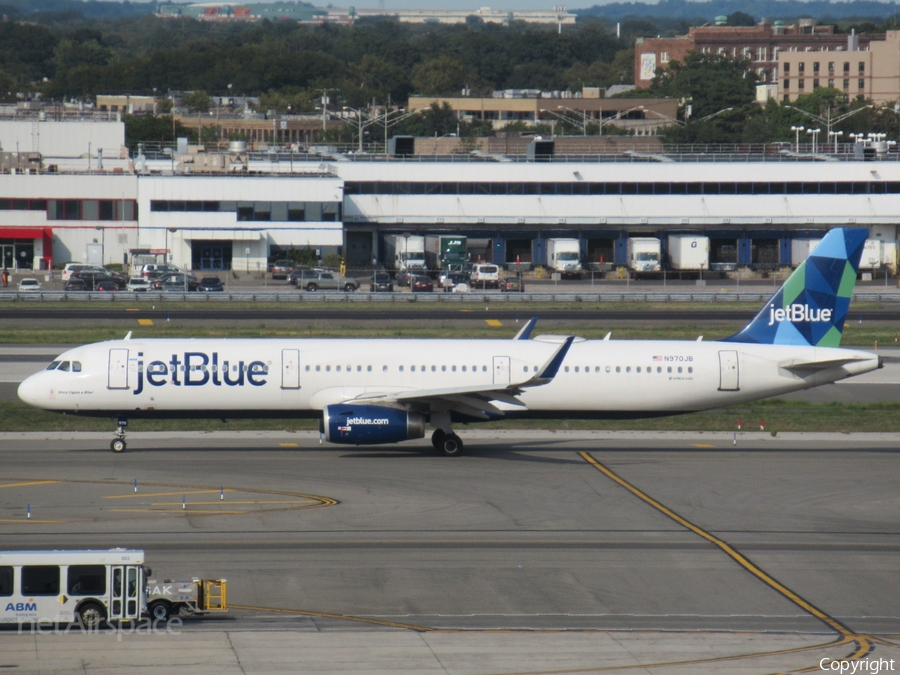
<point>87,580</point>
<point>40,580</point>
<point>6,581</point>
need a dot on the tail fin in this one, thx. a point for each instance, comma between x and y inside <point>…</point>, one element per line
<point>810,308</point>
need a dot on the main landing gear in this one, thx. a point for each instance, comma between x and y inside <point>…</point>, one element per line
<point>118,445</point>
<point>450,445</point>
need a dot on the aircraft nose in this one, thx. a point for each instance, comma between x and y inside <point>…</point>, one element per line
<point>28,390</point>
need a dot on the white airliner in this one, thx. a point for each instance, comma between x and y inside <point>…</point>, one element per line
<point>385,391</point>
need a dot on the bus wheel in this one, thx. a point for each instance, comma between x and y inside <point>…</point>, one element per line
<point>160,609</point>
<point>91,615</point>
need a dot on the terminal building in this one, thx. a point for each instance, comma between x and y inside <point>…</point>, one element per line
<point>219,212</point>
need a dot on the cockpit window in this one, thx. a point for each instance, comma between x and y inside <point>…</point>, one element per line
<point>53,365</point>
<point>64,366</point>
<point>76,366</point>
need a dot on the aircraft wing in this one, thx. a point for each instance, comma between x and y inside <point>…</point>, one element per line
<point>474,400</point>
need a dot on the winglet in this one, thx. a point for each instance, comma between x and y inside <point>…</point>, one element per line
<point>549,369</point>
<point>525,333</point>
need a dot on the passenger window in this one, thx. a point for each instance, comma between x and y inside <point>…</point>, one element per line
<point>6,581</point>
<point>483,369</point>
<point>453,368</point>
<point>618,369</point>
<point>464,369</point>
<point>679,369</point>
<point>384,369</point>
<point>638,369</point>
<point>327,369</point>
<point>401,369</point>
<point>40,580</point>
<point>566,369</point>
<point>358,369</point>
<point>87,580</point>
<point>576,369</point>
<point>338,368</point>
<point>658,369</point>
<point>53,365</point>
<point>669,369</point>
<point>627,369</point>
<point>369,369</point>
<point>318,368</point>
<point>607,369</point>
<point>690,369</point>
<point>307,369</point>
<point>443,369</point>
<point>525,369</point>
<point>433,368</point>
<point>64,366</point>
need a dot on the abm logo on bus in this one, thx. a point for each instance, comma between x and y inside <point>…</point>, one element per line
<point>21,607</point>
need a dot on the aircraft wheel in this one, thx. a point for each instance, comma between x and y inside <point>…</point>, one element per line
<point>451,445</point>
<point>117,445</point>
<point>437,437</point>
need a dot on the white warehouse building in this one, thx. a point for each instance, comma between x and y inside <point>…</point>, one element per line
<point>752,211</point>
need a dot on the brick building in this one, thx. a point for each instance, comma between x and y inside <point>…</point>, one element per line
<point>762,44</point>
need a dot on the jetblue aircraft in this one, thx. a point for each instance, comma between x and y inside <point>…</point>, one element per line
<point>385,391</point>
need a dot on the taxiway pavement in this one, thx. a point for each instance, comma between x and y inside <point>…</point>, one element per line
<point>533,552</point>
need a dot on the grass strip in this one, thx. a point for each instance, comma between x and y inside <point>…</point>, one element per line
<point>778,415</point>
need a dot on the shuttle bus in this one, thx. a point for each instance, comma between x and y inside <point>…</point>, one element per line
<point>67,586</point>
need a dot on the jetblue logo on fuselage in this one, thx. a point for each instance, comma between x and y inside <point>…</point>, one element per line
<point>798,314</point>
<point>197,369</point>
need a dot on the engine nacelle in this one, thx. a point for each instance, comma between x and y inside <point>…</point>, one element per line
<point>370,425</point>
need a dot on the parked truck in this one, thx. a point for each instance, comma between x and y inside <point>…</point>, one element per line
<point>800,250</point>
<point>404,254</point>
<point>644,254</point>
<point>689,252</point>
<point>445,252</point>
<point>564,257</point>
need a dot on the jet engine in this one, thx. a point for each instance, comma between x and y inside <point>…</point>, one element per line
<point>370,425</point>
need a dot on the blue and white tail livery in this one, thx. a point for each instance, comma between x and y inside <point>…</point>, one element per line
<point>368,391</point>
<point>810,308</point>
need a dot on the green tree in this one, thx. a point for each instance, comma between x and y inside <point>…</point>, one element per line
<point>441,76</point>
<point>707,82</point>
<point>740,19</point>
<point>196,101</point>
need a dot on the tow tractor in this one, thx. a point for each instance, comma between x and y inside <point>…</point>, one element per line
<point>196,597</point>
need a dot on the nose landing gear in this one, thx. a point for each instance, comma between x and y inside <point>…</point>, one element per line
<point>118,445</point>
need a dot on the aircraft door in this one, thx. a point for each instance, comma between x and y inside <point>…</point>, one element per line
<point>501,370</point>
<point>290,368</point>
<point>118,369</point>
<point>728,371</point>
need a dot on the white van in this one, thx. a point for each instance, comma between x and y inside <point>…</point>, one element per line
<point>484,276</point>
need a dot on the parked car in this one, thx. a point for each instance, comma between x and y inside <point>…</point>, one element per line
<point>381,282</point>
<point>29,284</point>
<point>421,284</point>
<point>156,270</point>
<point>109,286</point>
<point>281,269</point>
<point>91,279</point>
<point>300,273</point>
<point>75,267</point>
<point>512,285</point>
<point>210,285</point>
<point>173,287</point>
<point>75,284</point>
<point>402,278</point>
<point>179,279</point>
<point>328,281</point>
<point>137,284</point>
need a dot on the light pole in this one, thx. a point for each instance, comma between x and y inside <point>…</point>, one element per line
<point>359,120</point>
<point>582,113</point>
<point>835,134</point>
<point>815,138</point>
<point>797,131</point>
<point>827,119</point>
<point>406,236</point>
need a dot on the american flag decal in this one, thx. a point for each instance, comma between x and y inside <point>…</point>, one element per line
<point>657,358</point>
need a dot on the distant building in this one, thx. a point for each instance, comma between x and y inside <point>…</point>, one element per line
<point>762,45</point>
<point>130,105</point>
<point>871,73</point>
<point>640,116</point>
<point>558,16</point>
<point>228,12</point>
